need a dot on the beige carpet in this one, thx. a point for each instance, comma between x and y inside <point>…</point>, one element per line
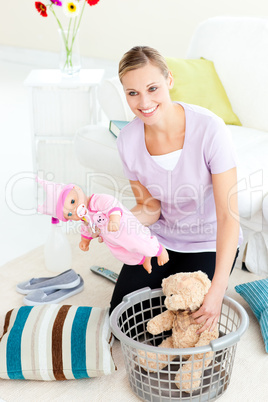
<point>249,377</point>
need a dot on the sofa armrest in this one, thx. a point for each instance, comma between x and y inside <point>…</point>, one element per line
<point>265,208</point>
<point>113,101</point>
<point>96,149</point>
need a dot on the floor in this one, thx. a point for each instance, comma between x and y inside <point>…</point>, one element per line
<point>22,229</point>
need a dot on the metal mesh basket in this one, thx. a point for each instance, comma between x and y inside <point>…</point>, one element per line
<point>152,370</point>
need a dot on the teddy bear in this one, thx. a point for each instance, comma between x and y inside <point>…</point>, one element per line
<point>184,293</point>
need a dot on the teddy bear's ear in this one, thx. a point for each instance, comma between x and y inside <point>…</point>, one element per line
<point>202,277</point>
<point>166,282</point>
<point>163,284</point>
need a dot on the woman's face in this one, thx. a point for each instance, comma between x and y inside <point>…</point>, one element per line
<point>147,92</point>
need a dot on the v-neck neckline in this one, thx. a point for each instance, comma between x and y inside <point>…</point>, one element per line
<point>182,149</point>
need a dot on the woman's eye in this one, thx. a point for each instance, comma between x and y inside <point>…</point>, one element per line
<point>132,93</point>
<point>152,89</point>
<point>70,214</point>
<point>73,201</point>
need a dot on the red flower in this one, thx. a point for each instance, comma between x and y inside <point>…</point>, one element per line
<point>92,2</point>
<point>41,8</point>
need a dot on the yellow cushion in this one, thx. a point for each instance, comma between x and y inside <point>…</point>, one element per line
<point>197,82</point>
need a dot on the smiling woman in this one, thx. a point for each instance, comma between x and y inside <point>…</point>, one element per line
<point>205,165</point>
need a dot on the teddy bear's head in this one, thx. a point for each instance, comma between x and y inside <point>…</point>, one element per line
<point>185,290</point>
<point>100,219</point>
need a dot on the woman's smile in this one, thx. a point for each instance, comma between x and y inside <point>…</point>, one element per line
<point>149,112</point>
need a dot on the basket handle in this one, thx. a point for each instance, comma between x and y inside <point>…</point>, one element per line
<point>144,293</point>
<point>225,341</point>
<point>141,295</point>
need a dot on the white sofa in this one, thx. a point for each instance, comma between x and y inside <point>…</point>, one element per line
<point>238,47</point>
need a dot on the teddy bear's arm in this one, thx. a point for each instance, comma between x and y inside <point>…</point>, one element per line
<point>162,322</point>
<point>206,337</point>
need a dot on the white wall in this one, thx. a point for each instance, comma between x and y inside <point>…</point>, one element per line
<point>113,26</point>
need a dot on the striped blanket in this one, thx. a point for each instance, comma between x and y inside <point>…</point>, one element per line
<point>56,342</point>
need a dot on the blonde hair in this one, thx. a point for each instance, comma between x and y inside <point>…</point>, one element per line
<point>138,57</point>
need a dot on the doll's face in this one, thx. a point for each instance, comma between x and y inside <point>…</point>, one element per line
<point>75,197</point>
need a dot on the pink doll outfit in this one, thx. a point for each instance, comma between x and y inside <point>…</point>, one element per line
<point>132,242</point>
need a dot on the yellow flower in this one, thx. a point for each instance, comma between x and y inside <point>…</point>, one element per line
<point>71,8</point>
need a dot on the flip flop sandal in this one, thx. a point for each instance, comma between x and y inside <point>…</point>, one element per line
<point>65,280</point>
<point>38,297</point>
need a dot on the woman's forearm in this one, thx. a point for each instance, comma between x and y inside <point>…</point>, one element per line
<point>225,194</point>
<point>146,214</point>
<point>148,209</point>
<point>226,247</point>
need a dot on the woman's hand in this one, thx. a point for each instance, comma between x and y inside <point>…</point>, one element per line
<point>210,311</point>
<point>114,223</point>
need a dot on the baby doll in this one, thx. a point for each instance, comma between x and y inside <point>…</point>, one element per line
<point>103,215</point>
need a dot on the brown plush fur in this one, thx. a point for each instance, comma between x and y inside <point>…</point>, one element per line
<point>184,293</point>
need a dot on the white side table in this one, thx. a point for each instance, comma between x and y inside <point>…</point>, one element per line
<point>59,106</point>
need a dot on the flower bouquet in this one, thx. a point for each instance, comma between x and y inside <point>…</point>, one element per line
<point>73,9</point>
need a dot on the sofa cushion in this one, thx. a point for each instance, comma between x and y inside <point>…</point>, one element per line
<point>256,295</point>
<point>54,342</point>
<point>237,46</point>
<point>197,82</point>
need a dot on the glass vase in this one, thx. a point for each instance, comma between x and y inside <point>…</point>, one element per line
<point>70,63</point>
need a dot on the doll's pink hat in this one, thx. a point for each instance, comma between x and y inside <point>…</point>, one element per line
<point>56,194</point>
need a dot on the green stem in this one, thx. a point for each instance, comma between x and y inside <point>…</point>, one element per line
<point>63,35</point>
<point>75,30</point>
<point>68,49</point>
<point>79,20</point>
<point>70,22</point>
<point>58,21</point>
<point>73,37</point>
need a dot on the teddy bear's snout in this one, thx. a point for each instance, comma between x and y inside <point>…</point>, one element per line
<point>184,299</point>
<point>175,302</point>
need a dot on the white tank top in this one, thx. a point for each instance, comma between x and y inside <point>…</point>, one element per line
<point>168,161</point>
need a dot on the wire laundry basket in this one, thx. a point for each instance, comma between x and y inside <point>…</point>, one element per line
<point>151,370</point>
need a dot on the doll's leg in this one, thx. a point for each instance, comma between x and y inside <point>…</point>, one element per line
<point>149,246</point>
<point>162,255</point>
<point>127,257</point>
<point>146,262</point>
<point>131,256</point>
<point>162,258</point>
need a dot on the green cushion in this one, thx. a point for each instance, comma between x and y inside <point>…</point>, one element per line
<point>197,82</point>
<point>54,342</point>
<point>256,295</point>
